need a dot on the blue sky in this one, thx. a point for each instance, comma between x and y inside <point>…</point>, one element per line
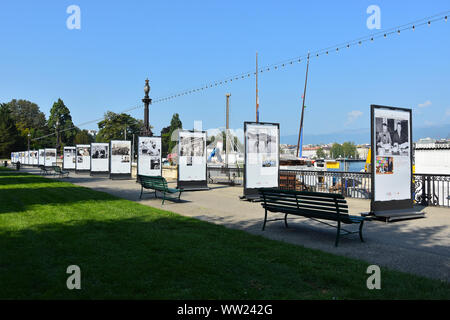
<point>185,44</point>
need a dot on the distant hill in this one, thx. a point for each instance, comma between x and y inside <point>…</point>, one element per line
<point>360,136</point>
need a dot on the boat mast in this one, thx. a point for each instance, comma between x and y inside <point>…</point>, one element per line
<point>257,102</point>
<point>300,135</point>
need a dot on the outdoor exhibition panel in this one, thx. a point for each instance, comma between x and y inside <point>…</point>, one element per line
<point>120,159</point>
<point>262,157</point>
<point>99,158</point>
<point>22,157</point>
<point>27,158</point>
<point>34,157</point>
<point>391,142</point>
<point>149,156</point>
<point>41,158</point>
<point>50,157</point>
<point>69,158</point>
<point>83,162</point>
<point>192,160</point>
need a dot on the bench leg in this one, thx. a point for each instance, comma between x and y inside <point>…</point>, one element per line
<point>179,196</point>
<point>265,219</point>
<point>338,234</point>
<point>285,221</point>
<point>142,189</point>
<point>164,198</point>
<point>360,231</point>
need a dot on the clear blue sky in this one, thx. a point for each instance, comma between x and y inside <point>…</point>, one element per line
<point>184,44</point>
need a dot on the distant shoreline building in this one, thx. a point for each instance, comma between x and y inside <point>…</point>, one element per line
<point>432,156</point>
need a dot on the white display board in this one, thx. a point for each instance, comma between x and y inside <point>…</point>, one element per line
<point>34,156</point>
<point>99,157</point>
<point>50,157</point>
<point>69,158</point>
<point>41,157</point>
<point>149,156</point>
<point>83,162</point>
<point>391,158</point>
<point>262,156</point>
<point>22,157</point>
<point>27,158</point>
<point>120,162</point>
<point>191,156</point>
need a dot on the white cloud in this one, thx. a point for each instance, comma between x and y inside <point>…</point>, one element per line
<point>425,104</point>
<point>352,116</point>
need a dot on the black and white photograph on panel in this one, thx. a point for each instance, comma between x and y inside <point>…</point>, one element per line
<point>392,137</point>
<point>99,157</point>
<point>155,164</point>
<point>392,167</point>
<point>149,146</point>
<point>192,159</point>
<point>100,151</point>
<point>262,155</point>
<point>34,157</point>
<point>41,159</point>
<point>50,157</point>
<point>69,157</point>
<point>198,145</point>
<point>83,157</point>
<point>120,157</point>
<point>149,156</point>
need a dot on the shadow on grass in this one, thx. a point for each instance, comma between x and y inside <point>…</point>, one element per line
<point>164,256</point>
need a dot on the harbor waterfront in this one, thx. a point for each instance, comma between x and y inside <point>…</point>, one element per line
<point>429,189</point>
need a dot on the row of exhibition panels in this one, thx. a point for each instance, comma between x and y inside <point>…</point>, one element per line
<point>115,158</point>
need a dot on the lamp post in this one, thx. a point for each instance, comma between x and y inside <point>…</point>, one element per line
<point>57,136</point>
<point>146,101</point>
<point>29,135</point>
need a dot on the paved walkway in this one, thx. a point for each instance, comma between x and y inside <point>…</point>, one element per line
<point>420,246</point>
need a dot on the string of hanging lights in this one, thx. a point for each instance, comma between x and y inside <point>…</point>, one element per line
<point>412,26</point>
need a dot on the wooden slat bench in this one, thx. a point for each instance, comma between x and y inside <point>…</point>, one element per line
<point>44,170</point>
<point>313,205</point>
<point>59,172</point>
<point>158,183</point>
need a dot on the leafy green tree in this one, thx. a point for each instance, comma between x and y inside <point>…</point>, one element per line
<point>26,114</point>
<point>117,126</point>
<point>166,134</point>
<point>29,120</point>
<point>67,131</point>
<point>83,137</point>
<point>320,153</point>
<point>10,139</point>
<point>349,149</point>
<point>336,150</point>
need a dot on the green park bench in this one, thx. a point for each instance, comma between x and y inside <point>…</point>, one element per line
<point>157,183</point>
<point>57,171</point>
<point>44,171</point>
<point>313,205</point>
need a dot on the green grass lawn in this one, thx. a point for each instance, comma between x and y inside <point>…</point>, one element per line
<point>127,250</point>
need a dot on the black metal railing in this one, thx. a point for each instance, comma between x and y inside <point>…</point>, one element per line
<point>432,189</point>
<point>349,184</point>
<point>428,189</point>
